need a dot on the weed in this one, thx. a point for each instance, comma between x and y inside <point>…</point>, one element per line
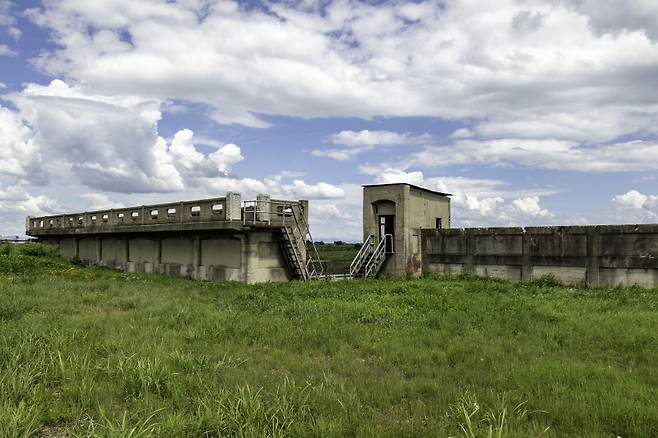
<point>94,352</point>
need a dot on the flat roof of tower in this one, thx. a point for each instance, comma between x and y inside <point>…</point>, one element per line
<point>423,189</point>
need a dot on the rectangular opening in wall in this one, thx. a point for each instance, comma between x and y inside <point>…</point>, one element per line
<point>171,212</point>
<point>70,221</point>
<point>105,217</point>
<point>80,220</point>
<point>195,210</point>
<point>217,208</point>
<point>50,222</point>
<point>154,214</point>
<point>93,219</point>
<point>439,223</point>
<point>134,215</point>
<point>120,216</point>
<point>284,211</point>
<point>41,224</point>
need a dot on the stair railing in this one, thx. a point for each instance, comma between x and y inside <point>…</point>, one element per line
<point>313,263</point>
<point>378,254</point>
<point>362,255</point>
<point>302,268</point>
<point>289,217</point>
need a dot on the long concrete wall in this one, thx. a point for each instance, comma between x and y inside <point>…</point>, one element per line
<point>249,256</point>
<point>608,255</point>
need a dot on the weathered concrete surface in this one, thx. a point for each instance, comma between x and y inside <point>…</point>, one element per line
<point>605,255</point>
<point>248,256</point>
<point>413,208</point>
<point>213,239</point>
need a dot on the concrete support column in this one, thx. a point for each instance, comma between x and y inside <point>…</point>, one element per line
<point>249,257</point>
<point>99,250</point>
<point>446,268</point>
<point>157,254</point>
<point>303,203</point>
<point>469,260</point>
<point>196,255</point>
<point>76,248</point>
<point>526,267</point>
<point>593,256</point>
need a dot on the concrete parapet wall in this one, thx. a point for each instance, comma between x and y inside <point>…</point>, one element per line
<point>605,255</point>
<point>203,214</point>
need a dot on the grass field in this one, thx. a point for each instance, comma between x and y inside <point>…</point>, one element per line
<point>92,352</point>
<point>337,258</point>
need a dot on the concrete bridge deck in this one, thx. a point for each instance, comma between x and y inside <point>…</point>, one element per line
<point>226,213</point>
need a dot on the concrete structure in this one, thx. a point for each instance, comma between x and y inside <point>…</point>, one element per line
<point>402,210</point>
<point>214,239</point>
<point>406,232</point>
<point>607,255</point>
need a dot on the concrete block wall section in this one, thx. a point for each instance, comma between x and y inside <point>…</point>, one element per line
<point>248,256</point>
<point>605,255</point>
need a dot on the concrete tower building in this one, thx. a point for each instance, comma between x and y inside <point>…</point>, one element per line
<point>394,214</point>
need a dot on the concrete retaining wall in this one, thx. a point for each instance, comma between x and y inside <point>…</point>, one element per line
<point>606,255</point>
<point>250,256</point>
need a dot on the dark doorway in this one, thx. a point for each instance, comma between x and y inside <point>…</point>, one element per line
<point>387,226</point>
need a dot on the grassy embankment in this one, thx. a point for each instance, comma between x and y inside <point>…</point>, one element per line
<point>94,352</point>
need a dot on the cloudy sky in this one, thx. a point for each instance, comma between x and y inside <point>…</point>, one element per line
<point>528,111</point>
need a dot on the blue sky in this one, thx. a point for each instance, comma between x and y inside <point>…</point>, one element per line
<point>529,111</point>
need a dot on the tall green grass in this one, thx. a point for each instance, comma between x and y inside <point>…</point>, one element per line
<point>92,352</point>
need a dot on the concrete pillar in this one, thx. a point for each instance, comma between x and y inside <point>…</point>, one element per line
<point>76,248</point>
<point>196,255</point>
<point>593,256</point>
<point>303,203</point>
<point>99,250</point>
<point>233,206</point>
<point>157,254</point>
<point>249,257</point>
<point>469,260</point>
<point>446,268</point>
<point>526,267</point>
<point>263,206</point>
<point>244,259</point>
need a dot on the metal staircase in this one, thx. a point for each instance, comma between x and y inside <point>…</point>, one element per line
<point>357,268</point>
<point>291,253</point>
<point>370,258</point>
<point>299,248</point>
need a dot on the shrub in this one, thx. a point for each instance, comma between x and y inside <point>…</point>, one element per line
<point>35,249</point>
<point>547,281</point>
<point>29,257</point>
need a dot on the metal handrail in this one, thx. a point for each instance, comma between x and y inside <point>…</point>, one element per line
<point>361,255</point>
<point>304,272</point>
<point>314,259</point>
<point>379,251</point>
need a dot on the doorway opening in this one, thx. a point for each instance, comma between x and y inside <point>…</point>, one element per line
<point>387,226</point>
